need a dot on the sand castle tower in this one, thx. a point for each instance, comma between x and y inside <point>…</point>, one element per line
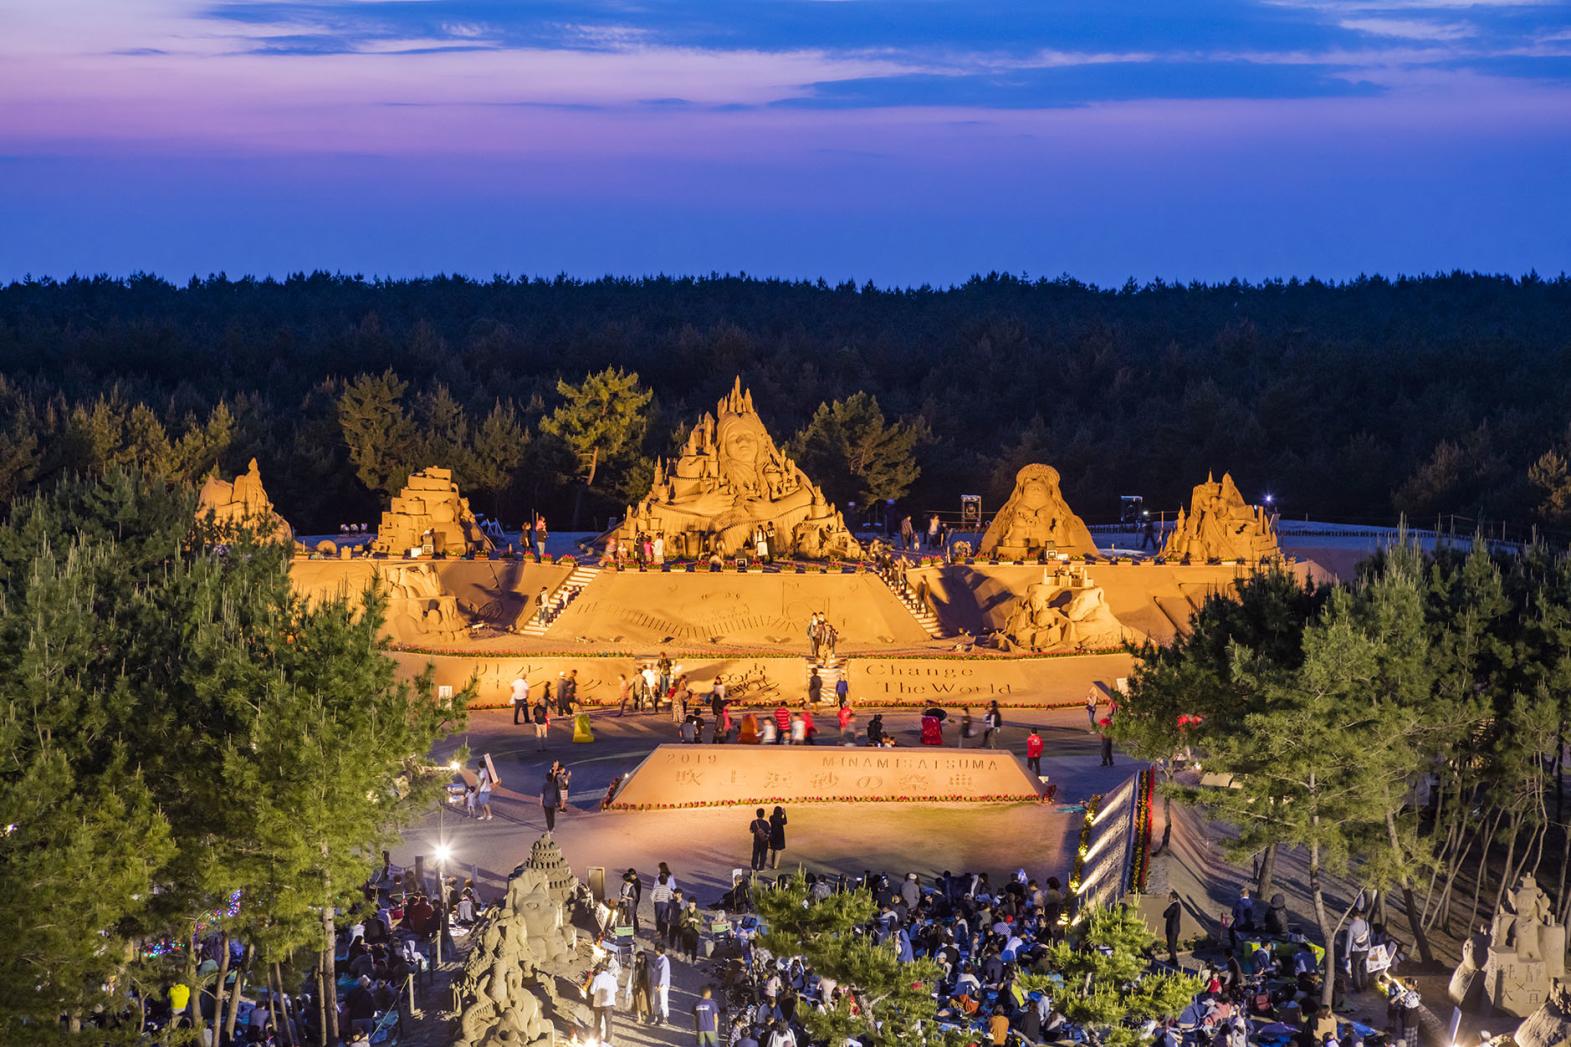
<point>1220,525</point>
<point>546,857</point>
<point>730,486</point>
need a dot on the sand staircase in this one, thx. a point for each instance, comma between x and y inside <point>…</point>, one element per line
<point>829,672</point>
<point>919,610</point>
<point>561,597</point>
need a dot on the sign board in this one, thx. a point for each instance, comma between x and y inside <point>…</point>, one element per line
<point>970,510</point>
<point>490,767</point>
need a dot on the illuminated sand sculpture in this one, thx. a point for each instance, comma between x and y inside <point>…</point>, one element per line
<point>1220,525</point>
<point>417,605</point>
<point>675,776</point>
<point>1518,961</point>
<point>1064,612</point>
<point>429,514</point>
<point>732,485</point>
<point>230,507</point>
<point>1036,520</point>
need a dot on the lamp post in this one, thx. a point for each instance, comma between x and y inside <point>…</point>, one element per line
<point>443,853</point>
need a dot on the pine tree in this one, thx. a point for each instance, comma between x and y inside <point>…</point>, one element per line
<point>1102,978</point>
<point>603,421</point>
<point>377,431</point>
<point>853,452</point>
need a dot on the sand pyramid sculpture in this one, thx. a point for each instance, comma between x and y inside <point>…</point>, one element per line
<point>1036,519</point>
<point>429,512</point>
<point>731,484</point>
<point>233,506</point>
<point>1220,525</point>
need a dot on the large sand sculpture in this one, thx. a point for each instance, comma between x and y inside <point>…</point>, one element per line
<point>1515,964</point>
<point>716,775</point>
<point>1036,519</point>
<point>231,507</point>
<point>429,513</point>
<point>1220,525</point>
<point>508,991</point>
<point>418,607</point>
<point>1064,612</point>
<point>732,483</point>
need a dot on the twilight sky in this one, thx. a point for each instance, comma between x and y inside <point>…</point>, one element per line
<point>903,141</point>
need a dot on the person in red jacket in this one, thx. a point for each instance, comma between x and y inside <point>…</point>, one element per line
<point>1034,752</point>
<point>783,722</point>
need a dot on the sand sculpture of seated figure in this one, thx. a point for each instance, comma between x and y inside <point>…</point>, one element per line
<point>530,901</point>
<point>520,945</point>
<point>1516,962</point>
<point>1063,612</point>
<point>1220,525</point>
<point>732,483</point>
<point>1035,519</point>
<point>243,504</point>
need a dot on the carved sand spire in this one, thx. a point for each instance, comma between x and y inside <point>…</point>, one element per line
<point>1036,519</point>
<point>1220,525</point>
<point>241,504</point>
<point>732,484</point>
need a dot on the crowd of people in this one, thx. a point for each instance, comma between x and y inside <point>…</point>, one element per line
<point>1259,985</point>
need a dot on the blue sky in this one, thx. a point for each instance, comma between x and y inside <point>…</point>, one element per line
<point>901,142</point>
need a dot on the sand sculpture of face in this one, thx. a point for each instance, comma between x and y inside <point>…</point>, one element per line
<point>741,442</point>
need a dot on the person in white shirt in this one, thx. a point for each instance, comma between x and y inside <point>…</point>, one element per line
<point>660,976</point>
<point>602,994</point>
<point>520,701</point>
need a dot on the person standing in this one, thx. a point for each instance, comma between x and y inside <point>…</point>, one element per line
<point>815,687</point>
<point>542,614</point>
<point>1172,920</point>
<point>550,797</point>
<point>660,978</point>
<point>639,986</point>
<point>1091,704</point>
<point>602,993</point>
<point>992,725</point>
<point>1355,946</point>
<point>1107,749</point>
<point>520,701</point>
<point>483,795</point>
<point>933,524</point>
<point>782,723</point>
<point>540,537</point>
<point>1034,752</point>
<point>967,728</point>
<point>760,831</point>
<point>843,718</point>
<point>907,533</point>
<point>706,1019</point>
<point>542,721</point>
<point>777,826</point>
<point>842,690</point>
<point>813,636</point>
<point>660,894</point>
<point>632,895</point>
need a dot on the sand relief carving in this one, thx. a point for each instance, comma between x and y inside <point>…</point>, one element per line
<point>1220,525</point>
<point>1063,612</point>
<point>1519,961</point>
<point>1036,520</point>
<point>523,947</point>
<point>418,606</point>
<point>243,503</point>
<point>733,487</point>
<point>430,515</point>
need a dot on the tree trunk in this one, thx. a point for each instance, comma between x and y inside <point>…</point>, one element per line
<point>234,996</point>
<point>194,1004</point>
<point>1414,919</point>
<point>286,1024</point>
<point>1265,878</point>
<point>1327,933</point>
<point>218,987</point>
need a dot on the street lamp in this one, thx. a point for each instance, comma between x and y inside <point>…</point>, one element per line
<point>443,853</point>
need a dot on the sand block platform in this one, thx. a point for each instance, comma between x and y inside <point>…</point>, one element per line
<point>753,608</point>
<point>676,776</point>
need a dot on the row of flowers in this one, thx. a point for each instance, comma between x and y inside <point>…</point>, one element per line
<point>765,800</point>
<point>919,656</point>
<point>1083,846</point>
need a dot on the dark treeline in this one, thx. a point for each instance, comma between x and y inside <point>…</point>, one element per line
<point>1347,401</point>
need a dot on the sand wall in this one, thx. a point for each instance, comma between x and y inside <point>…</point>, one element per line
<point>500,593</point>
<point>723,775</point>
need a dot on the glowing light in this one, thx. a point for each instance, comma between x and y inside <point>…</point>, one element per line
<point>443,853</point>
<point>452,765</point>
